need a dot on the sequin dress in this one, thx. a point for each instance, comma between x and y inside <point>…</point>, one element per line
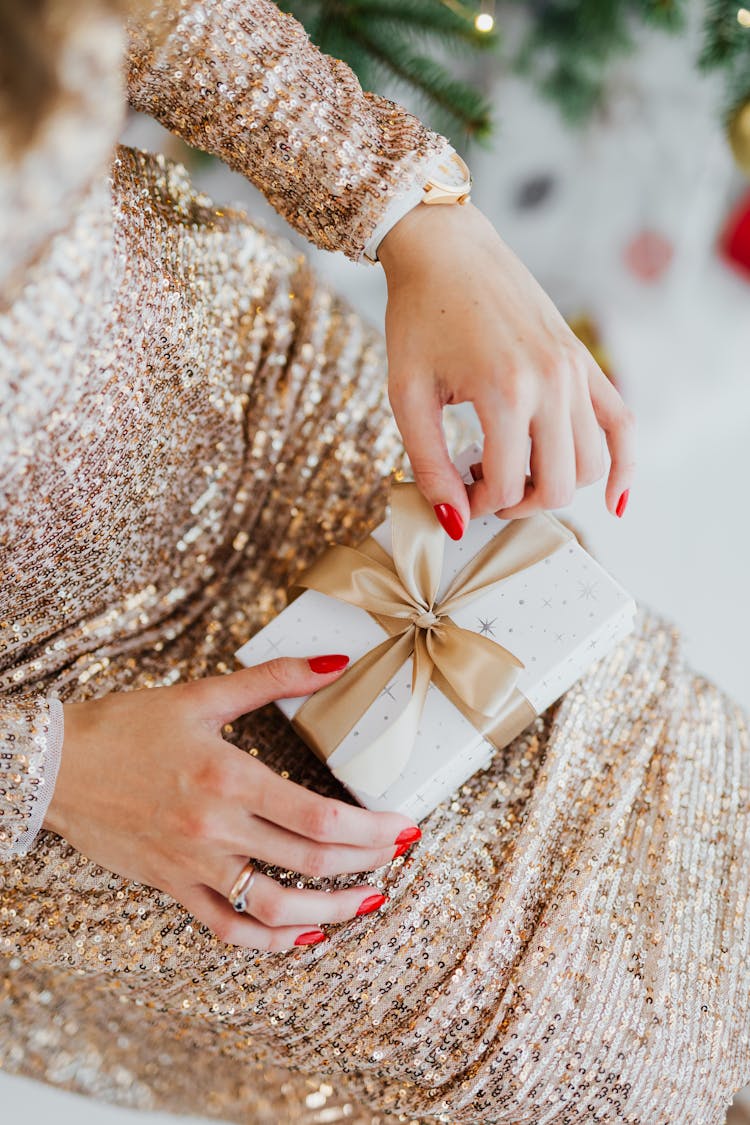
<point>188,415</point>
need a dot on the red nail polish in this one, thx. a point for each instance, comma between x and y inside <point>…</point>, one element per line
<point>622,503</point>
<point>408,836</point>
<point>324,664</point>
<point>312,937</point>
<point>450,520</point>
<point>400,850</point>
<point>373,902</point>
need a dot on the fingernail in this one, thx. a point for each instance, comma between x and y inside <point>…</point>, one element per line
<point>408,836</point>
<point>373,902</point>
<point>622,503</point>
<point>450,520</point>
<point>476,471</point>
<point>312,937</point>
<point>332,663</point>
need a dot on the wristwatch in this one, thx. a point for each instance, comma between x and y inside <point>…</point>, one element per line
<point>448,181</point>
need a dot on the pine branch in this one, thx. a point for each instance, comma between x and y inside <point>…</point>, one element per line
<point>377,39</point>
<point>568,48</point>
<point>725,37</point>
<point>727,47</point>
<point>454,99</point>
<point>667,14</point>
<point>434,17</point>
<point>567,51</point>
<point>572,43</point>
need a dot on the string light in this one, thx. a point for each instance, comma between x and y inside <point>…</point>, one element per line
<point>743,17</point>
<point>483,20</point>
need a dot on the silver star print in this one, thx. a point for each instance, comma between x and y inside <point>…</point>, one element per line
<point>485,627</point>
<point>388,691</point>
<point>587,591</point>
<point>273,646</point>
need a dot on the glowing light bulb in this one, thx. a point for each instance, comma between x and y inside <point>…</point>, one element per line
<point>485,22</point>
<point>743,17</point>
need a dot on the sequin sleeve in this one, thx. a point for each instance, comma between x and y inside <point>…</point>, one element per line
<point>31,736</point>
<point>241,79</point>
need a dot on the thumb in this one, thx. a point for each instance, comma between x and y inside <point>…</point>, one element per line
<point>224,698</point>
<point>436,476</point>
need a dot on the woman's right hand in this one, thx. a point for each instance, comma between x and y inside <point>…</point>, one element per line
<point>148,788</point>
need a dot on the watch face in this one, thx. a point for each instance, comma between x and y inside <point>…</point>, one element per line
<point>452,172</point>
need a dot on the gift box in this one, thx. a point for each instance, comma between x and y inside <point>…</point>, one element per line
<point>454,647</point>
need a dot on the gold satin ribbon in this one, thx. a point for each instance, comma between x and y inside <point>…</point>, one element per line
<point>476,673</point>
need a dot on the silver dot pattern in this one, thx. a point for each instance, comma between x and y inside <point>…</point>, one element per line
<point>189,416</point>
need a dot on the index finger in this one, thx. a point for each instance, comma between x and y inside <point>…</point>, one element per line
<point>325,819</point>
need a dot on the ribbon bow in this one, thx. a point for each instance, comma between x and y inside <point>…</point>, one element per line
<point>476,673</point>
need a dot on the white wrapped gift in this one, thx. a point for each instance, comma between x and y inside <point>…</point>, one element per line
<point>549,622</point>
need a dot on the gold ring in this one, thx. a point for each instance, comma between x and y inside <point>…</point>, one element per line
<point>237,897</point>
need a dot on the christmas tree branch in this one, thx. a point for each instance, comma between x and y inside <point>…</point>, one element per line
<point>567,50</point>
<point>456,99</point>
<point>377,38</point>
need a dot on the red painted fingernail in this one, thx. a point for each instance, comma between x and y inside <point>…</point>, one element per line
<point>312,937</point>
<point>405,840</point>
<point>622,503</point>
<point>373,902</point>
<point>450,520</point>
<point>476,471</point>
<point>408,836</point>
<point>324,664</point>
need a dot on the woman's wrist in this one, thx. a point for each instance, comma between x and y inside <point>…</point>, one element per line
<point>423,228</point>
<point>54,817</point>
<point>446,163</point>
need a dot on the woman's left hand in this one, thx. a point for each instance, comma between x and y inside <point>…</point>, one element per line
<point>467,322</point>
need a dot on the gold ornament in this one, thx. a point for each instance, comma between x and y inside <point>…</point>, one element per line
<point>739,136</point>
<point>587,331</point>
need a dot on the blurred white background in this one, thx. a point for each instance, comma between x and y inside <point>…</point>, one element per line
<point>679,345</point>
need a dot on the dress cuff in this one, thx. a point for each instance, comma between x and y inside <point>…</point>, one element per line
<point>400,206</point>
<point>51,766</point>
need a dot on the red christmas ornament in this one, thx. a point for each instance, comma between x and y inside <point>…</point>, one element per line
<point>734,243</point>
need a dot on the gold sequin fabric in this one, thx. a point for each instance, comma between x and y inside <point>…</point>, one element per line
<point>241,80</point>
<point>189,416</point>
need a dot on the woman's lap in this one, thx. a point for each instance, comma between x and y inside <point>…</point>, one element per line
<point>569,933</point>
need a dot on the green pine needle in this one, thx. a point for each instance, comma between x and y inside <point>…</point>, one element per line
<point>432,17</point>
<point>391,42</point>
<point>452,100</point>
<point>567,51</point>
<point>727,47</point>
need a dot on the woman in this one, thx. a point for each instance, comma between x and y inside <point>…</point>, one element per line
<point>188,416</point>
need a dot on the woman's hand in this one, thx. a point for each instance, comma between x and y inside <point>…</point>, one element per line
<point>467,322</point>
<point>149,789</point>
